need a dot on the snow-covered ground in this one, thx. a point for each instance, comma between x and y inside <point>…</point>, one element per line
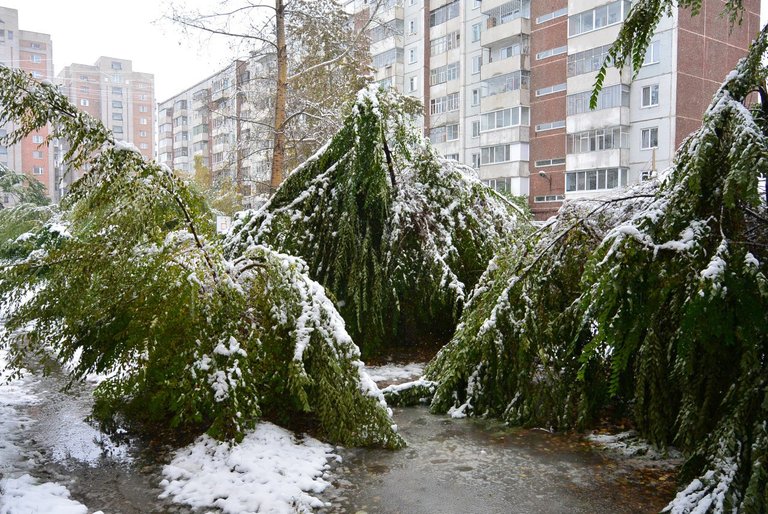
<point>269,471</point>
<point>391,373</point>
<point>19,491</point>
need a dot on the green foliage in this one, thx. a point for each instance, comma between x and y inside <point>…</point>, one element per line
<point>20,187</point>
<point>221,195</point>
<point>129,280</point>
<point>515,352</point>
<point>657,310</point>
<point>396,233</point>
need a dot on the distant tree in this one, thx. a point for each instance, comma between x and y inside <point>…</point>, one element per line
<point>312,62</point>
<point>129,279</point>
<point>222,195</point>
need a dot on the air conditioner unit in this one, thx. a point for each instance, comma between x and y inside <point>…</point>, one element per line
<point>646,175</point>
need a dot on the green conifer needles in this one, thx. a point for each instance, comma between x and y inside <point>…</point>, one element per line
<point>397,234</point>
<point>128,279</point>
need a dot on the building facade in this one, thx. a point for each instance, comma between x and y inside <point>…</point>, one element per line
<point>32,52</point>
<point>123,99</point>
<point>506,87</point>
<point>223,121</point>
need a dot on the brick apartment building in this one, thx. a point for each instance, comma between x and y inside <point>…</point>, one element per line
<point>123,99</point>
<point>33,53</point>
<point>506,85</point>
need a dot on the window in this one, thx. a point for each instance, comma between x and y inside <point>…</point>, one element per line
<point>475,129</point>
<point>477,3</point>
<point>452,156</point>
<point>143,108</point>
<point>552,15</point>
<point>143,146</point>
<point>37,170</point>
<point>143,121</point>
<point>596,140</point>
<point>444,133</point>
<point>84,102</point>
<point>452,133</point>
<point>388,58</point>
<point>412,27</point>
<point>650,96</point>
<point>503,118</point>
<point>476,30</point>
<point>36,58</point>
<point>117,129</point>
<point>116,65</point>
<point>649,138</point>
<point>413,83</point>
<point>444,74</point>
<point>509,82</point>
<point>181,136</point>
<point>84,89</point>
<point>444,13</point>
<point>117,116</point>
<point>143,133</point>
<point>551,52</point>
<point>378,33</point>
<point>652,53</point>
<point>477,63</point>
<point>442,44</point>
<point>552,125</point>
<point>475,160</point>
<point>588,61</point>
<point>117,91</point>
<point>178,121</point>
<point>180,104</point>
<point>593,180</point>
<point>443,104</point>
<point>117,104</point>
<point>549,162</point>
<point>551,89</point>
<point>500,184</point>
<point>35,46</point>
<point>494,154</point>
<point>142,97</point>
<point>37,154</point>
<point>181,152</point>
<point>117,78</point>
<point>609,97</point>
<point>517,47</point>
<point>548,198</point>
<point>36,74</point>
<point>598,17</point>
<point>37,138</point>
<point>475,97</point>
<point>411,56</point>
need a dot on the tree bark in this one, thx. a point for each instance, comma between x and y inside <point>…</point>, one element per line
<point>278,151</point>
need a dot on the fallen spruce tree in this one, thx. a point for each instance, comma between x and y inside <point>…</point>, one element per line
<point>398,234</point>
<point>657,310</point>
<point>128,278</point>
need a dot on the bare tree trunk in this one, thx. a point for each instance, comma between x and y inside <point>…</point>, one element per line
<point>278,151</point>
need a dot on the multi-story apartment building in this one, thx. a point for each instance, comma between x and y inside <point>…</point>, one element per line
<point>219,120</point>
<point>33,53</point>
<point>506,86</point>
<point>123,99</point>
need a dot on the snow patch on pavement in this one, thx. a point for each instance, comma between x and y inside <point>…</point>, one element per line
<point>395,372</point>
<point>269,471</point>
<point>26,495</point>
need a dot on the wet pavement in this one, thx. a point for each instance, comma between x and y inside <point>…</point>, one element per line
<point>481,466</point>
<point>451,466</point>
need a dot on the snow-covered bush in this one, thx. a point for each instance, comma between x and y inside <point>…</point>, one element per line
<point>128,278</point>
<point>396,233</point>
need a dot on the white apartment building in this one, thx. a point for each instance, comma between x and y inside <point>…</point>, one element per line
<point>219,120</point>
<point>506,86</point>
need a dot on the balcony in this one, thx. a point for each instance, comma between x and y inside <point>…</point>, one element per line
<point>498,33</point>
<point>505,99</point>
<point>517,134</point>
<point>615,158</point>
<point>504,66</point>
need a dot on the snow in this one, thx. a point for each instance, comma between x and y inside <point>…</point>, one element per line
<point>269,471</point>
<point>395,372</point>
<point>26,495</point>
<point>630,444</point>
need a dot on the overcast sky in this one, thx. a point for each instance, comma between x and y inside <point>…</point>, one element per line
<point>83,30</point>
